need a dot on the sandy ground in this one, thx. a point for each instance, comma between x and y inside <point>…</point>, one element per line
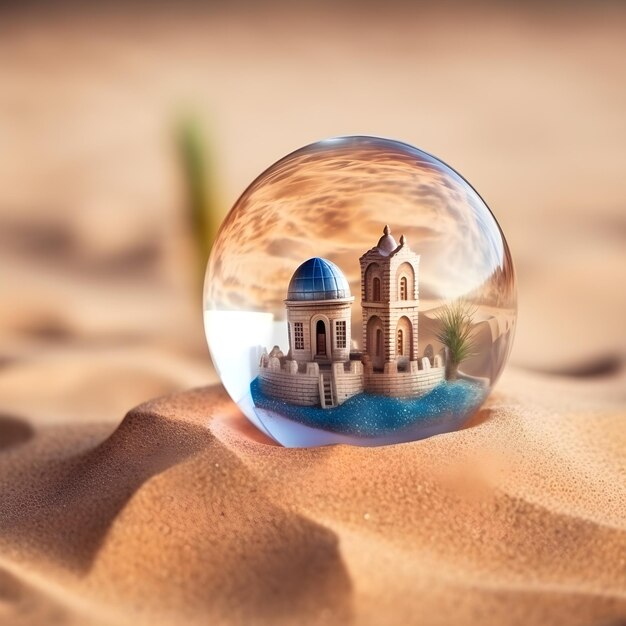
<point>179,512</point>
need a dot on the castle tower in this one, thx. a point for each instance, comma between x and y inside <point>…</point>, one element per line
<point>319,305</point>
<point>390,302</point>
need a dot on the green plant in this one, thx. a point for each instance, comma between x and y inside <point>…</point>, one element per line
<point>457,333</point>
<point>199,184</point>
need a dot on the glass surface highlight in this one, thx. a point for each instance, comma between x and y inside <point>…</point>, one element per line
<point>359,291</point>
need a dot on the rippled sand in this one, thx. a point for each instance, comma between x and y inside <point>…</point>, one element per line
<point>187,514</point>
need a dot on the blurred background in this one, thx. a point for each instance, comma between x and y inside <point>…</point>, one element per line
<point>127,130</point>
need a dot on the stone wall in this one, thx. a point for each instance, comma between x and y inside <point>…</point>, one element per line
<point>301,383</point>
<point>283,379</point>
<point>296,388</point>
<point>347,380</point>
<point>403,384</point>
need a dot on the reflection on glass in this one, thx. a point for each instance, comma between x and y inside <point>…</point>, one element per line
<point>359,291</point>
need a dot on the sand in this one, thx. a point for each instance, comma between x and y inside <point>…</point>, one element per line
<point>186,514</point>
<point>179,512</point>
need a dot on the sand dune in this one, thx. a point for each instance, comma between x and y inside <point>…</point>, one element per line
<point>185,513</point>
<point>207,547</point>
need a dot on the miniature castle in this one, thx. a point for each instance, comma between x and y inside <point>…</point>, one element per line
<point>320,369</point>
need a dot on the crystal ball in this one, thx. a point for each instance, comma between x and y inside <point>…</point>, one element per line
<point>359,291</point>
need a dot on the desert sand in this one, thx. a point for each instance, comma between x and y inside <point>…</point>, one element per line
<point>187,514</point>
<point>179,511</point>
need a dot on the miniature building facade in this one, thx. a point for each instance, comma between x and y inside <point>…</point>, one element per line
<point>320,368</point>
<point>319,313</point>
<point>390,302</point>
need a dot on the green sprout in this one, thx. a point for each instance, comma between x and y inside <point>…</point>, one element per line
<point>457,333</point>
<point>200,185</point>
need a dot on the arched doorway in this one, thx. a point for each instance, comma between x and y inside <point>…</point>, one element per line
<point>375,342</point>
<point>320,337</point>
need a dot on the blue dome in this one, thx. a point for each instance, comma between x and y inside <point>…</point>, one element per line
<point>318,279</point>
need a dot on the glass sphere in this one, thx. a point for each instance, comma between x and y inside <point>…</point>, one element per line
<point>359,291</point>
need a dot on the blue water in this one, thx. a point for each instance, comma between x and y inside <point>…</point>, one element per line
<point>368,415</point>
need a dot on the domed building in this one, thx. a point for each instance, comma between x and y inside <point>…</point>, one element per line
<point>319,308</point>
<point>319,369</point>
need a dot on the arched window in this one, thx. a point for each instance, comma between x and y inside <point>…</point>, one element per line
<point>405,282</point>
<point>400,342</point>
<point>404,291</point>
<point>376,289</point>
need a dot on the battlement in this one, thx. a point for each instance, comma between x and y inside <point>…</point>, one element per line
<point>306,384</point>
<point>407,384</point>
<point>288,380</point>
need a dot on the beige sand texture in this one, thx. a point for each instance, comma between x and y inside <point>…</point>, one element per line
<point>186,515</point>
<point>179,512</point>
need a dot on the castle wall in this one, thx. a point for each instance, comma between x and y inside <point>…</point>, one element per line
<point>295,388</point>
<point>284,380</point>
<point>403,384</point>
<point>347,382</point>
<point>301,385</point>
